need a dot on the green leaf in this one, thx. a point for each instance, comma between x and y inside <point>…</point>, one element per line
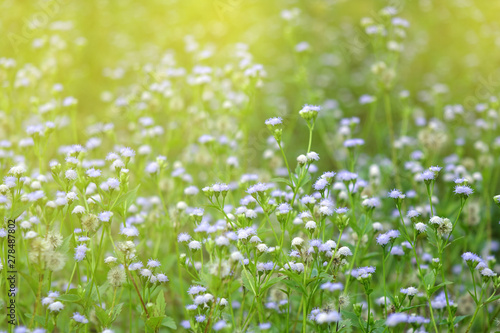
<point>154,322</point>
<point>115,312</point>
<point>63,323</point>
<point>31,282</point>
<point>247,281</point>
<point>281,180</point>
<point>169,322</point>
<point>473,297</point>
<point>305,180</point>
<point>270,283</point>
<point>434,289</point>
<point>69,298</point>
<point>20,209</point>
<point>431,236</point>
<point>412,307</point>
<point>355,228</point>
<point>371,255</point>
<point>127,197</point>
<point>429,279</point>
<point>64,248</point>
<point>492,299</point>
<point>460,318</point>
<point>379,323</point>
<point>38,319</point>
<point>455,321</point>
<point>352,316</point>
<point>160,303</point>
<point>294,285</point>
<point>456,239</point>
<point>102,315</point>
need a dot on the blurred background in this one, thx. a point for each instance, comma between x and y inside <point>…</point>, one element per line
<point>262,59</point>
<point>452,42</point>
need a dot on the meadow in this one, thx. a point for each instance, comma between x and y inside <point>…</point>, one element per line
<point>248,166</point>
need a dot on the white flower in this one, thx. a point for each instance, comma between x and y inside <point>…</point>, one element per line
<point>312,156</point>
<point>78,210</point>
<point>302,159</point>
<point>262,248</point>
<point>311,225</point>
<point>110,259</point>
<point>436,220</point>
<point>56,306</point>
<point>127,152</point>
<point>420,227</point>
<point>71,174</point>
<point>297,241</point>
<point>17,171</point>
<point>194,245</point>
<point>152,263</point>
<point>344,251</point>
<point>105,216</point>
<point>274,121</point>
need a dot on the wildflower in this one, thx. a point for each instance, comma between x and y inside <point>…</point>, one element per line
<point>135,266</point>
<point>435,169</point>
<point>56,306</point>
<point>71,174</point>
<point>383,239</point>
<point>396,194</point>
<point>17,171</point>
<point>80,318</point>
<point>110,259</point>
<point>183,237</point>
<point>162,278</point>
<point>80,252</point>
<point>309,112</point>
<point>302,159</point>
<point>327,317</point>
<point>332,286</point>
<point>221,324</point>
<point>152,263</point>
<point>371,203</point>
<point>436,221</point>
<point>129,231</point>
<point>420,227</point>
<point>105,216</point>
<point>194,245</point>
<point>344,251</point>
<point>93,173</point>
<point>196,289</point>
<point>127,152</point>
<point>310,225</point>
<point>297,241</point>
<point>320,184</point>
<point>351,143</point>
<point>363,272</point>
<point>264,326</point>
<point>410,291</point>
<point>395,319</point>
<point>412,214</point>
<point>487,272</point>
<point>463,190</point>
<point>427,176</point>
<point>274,121</point>
<point>346,176</point>
<point>312,156</point>
<point>445,228</point>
